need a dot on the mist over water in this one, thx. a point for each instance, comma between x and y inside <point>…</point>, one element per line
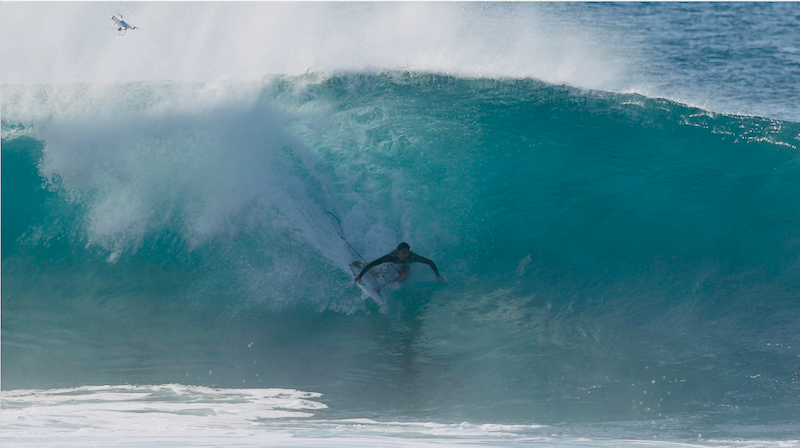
<point>730,58</point>
<point>177,231</point>
<point>208,41</point>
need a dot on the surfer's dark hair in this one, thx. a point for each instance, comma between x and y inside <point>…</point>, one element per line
<point>403,246</point>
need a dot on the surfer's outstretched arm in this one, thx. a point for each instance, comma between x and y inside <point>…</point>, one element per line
<point>420,259</point>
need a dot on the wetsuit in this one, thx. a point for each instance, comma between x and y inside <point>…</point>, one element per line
<point>402,265</point>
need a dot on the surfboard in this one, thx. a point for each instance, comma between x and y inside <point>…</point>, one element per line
<point>369,283</point>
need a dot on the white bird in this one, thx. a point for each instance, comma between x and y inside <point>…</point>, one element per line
<point>122,27</point>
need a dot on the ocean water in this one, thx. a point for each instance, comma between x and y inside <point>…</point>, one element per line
<point>610,190</point>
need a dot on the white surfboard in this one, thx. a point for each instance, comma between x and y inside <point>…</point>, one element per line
<point>369,283</point>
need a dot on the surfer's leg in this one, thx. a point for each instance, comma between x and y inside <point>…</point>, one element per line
<point>403,271</point>
<point>400,279</point>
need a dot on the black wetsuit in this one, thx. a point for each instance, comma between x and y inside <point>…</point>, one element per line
<point>402,265</point>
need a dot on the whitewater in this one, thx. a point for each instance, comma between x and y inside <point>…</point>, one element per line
<point>610,190</point>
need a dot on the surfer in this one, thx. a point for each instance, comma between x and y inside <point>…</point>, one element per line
<point>402,256</point>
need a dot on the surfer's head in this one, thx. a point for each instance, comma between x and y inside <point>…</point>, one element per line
<point>403,250</point>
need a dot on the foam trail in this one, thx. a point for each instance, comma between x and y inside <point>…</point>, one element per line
<point>193,416</point>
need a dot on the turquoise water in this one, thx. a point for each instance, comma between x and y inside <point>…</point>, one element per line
<point>619,266</point>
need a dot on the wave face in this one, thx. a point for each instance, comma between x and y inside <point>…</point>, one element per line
<point>609,256</point>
